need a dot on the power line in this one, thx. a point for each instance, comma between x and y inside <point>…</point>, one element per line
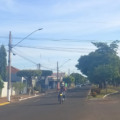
<point>30,60</point>
<point>55,49</point>
<point>57,40</point>
<point>24,57</point>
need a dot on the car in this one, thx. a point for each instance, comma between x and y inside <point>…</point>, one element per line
<point>78,85</point>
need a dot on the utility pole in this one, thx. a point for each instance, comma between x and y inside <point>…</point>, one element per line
<point>68,71</point>
<point>38,66</point>
<point>58,81</point>
<point>9,68</point>
<point>57,70</point>
<point>9,60</point>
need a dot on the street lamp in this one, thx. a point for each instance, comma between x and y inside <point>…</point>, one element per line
<point>27,36</point>
<point>9,61</point>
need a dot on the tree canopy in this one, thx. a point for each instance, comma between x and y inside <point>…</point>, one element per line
<point>102,65</point>
<point>46,73</point>
<point>28,74</point>
<point>3,62</point>
<point>79,79</point>
<point>69,80</point>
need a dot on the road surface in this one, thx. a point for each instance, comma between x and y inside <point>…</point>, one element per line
<point>76,107</point>
<point>47,107</point>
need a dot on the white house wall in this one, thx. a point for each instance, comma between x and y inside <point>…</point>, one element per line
<point>4,90</point>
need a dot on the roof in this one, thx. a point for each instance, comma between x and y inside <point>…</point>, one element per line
<point>59,74</point>
<point>13,69</point>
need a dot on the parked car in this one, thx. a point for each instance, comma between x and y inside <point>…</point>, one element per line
<point>78,85</point>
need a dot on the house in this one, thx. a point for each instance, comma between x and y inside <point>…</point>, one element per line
<point>51,81</point>
<point>14,77</point>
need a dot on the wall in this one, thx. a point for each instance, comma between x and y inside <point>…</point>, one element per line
<point>4,90</point>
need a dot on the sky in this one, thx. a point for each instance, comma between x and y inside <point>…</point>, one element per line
<point>69,27</point>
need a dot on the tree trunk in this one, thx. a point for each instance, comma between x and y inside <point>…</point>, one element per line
<point>100,85</point>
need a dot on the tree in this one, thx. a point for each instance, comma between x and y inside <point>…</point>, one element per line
<point>46,73</point>
<point>18,87</point>
<point>69,80</point>
<point>29,74</point>
<point>1,85</point>
<point>79,79</point>
<point>101,66</point>
<point>3,63</point>
<point>41,83</point>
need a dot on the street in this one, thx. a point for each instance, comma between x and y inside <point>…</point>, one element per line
<point>76,107</point>
<point>47,107</point>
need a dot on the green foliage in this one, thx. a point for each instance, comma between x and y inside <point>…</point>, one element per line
<point>69,79</point>
<point>3,63</point>
<point>37,88</point>
<point>79,79</point>
<point>1,83</point>
<point>46,73</point>
<point>103,65</point>
<point>18,87</point>
<point>28,73</point>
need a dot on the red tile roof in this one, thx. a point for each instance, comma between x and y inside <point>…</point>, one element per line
<point>13,69</point>
<point>59,74</point>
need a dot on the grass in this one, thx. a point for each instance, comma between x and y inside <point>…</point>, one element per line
<point>103,92</point>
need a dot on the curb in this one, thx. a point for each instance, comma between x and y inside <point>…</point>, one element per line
<point>5,103</point>
<point>103,96</point>
<point>30,97</point>
<point>109,94</point>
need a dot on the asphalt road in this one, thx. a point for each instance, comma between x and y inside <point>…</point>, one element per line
<point>47,107</point>
<point>76,107</point>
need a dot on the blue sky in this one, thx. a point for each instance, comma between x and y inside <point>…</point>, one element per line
<point>69,27</point>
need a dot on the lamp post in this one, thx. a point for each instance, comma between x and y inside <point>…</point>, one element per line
<point>9,61</point>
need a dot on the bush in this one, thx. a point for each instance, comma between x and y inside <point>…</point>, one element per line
<point>1,83</point>
<point>36,88</point>
<point>93,94</point>
<point>97,90</point>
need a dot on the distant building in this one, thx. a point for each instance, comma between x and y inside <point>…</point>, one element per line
<point>60,76</point>
<point>51,81</point>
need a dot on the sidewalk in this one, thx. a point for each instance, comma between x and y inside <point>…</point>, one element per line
<point>17,98</point>
<point>4,101</point>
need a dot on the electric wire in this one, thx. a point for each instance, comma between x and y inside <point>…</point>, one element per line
<point>59,49</point>
<point>14,52</point>
<point>56,39</point>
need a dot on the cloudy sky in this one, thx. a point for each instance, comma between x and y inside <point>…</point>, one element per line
<point>69,27</point>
